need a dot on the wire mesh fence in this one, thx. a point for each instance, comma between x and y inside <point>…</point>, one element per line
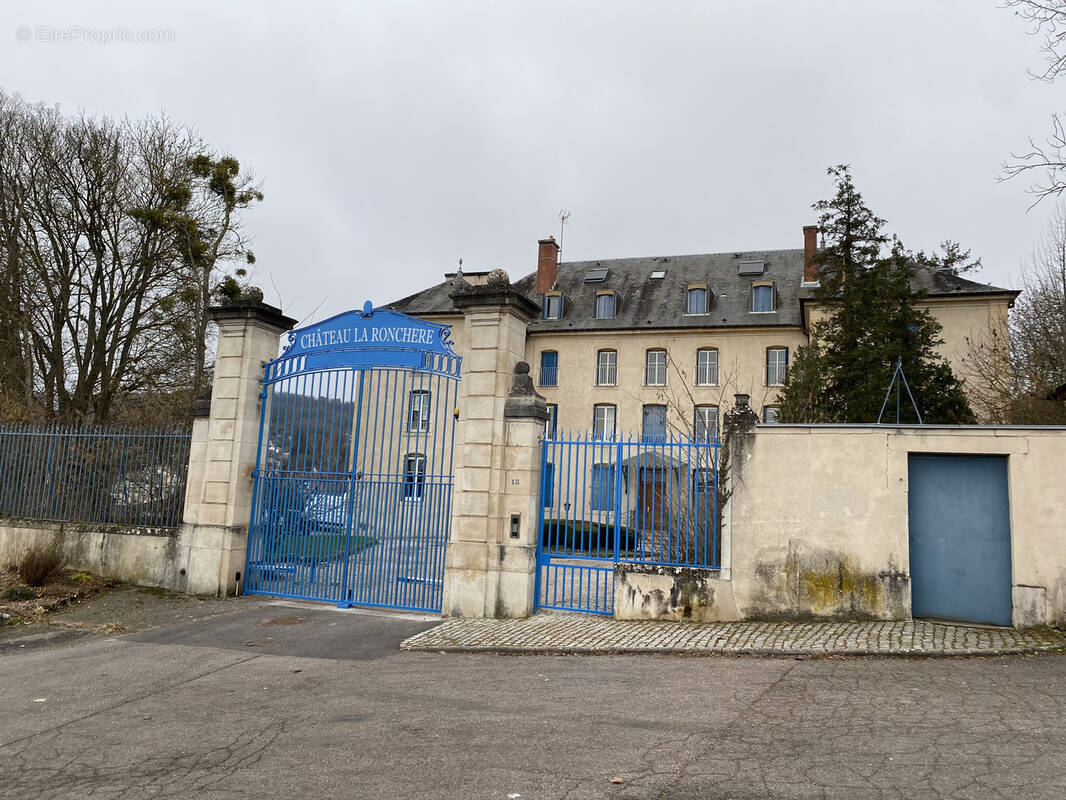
<point>95,475</point>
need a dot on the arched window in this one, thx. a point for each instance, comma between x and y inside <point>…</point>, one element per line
<point>707,367</point>
<point>606,367</point>
<point>697,300</point>
<point>414,476</point>
<point>762,297</point>
<point>605,305</point>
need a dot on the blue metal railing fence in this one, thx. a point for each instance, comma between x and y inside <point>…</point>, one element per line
<point>94,475</point>
<point>632,499</point>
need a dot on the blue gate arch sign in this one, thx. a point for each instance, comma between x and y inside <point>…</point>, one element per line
<point>351,494</point>
<point>374,337</point>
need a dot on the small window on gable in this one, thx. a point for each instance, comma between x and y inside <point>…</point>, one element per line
<point>605,305</point>
<point>696,300</point>
<point>553,306</point>
<point>762,297</point>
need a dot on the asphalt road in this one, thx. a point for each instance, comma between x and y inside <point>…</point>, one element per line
<point>278,702</point>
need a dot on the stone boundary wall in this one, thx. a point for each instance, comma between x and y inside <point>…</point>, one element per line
<point>818,518</point>
<point>144,556</point>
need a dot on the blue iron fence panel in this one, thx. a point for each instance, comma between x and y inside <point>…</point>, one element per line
<point>94,475</point>
<point>629,500</point>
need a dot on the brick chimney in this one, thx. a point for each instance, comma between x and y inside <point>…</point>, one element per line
<point>810,247</point>
<point>547,264</point>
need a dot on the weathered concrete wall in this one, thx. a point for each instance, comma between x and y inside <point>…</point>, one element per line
<point>682,594</point>
<point>819,525</point>
<point>148,557</point>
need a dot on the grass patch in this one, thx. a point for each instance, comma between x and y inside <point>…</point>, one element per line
<point>585,537</point>
<point>317,547</point>
<point>41,562</point>
<point>19,593</point>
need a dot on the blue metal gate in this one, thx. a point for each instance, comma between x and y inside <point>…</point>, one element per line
<point>959,525</point>
<point>639,500</point>
<point>352,489</point>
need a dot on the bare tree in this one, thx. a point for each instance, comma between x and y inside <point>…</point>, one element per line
<point>100,299</point>
<point>1046,18</point>
<point>1020,375</point>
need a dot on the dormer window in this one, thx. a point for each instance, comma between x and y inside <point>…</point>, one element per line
<point>605,305</point>
<point>696,300</point>
<point>553,306</point>
<point>762,297</point>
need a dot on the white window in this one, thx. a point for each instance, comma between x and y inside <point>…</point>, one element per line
<point>770,414</point>
<point>655,368</point>
<point>603,418</point>
<point>697,301</point>
<point>706,423</point>
<point>707,367</point>
<point>553,420</point>
<point>605,306</point>
<point>553,306</point>
<point>418,415</point>
<point>606,368</point>
<point>762,297</point>
<point>414,476</point>
<point>776,365</point>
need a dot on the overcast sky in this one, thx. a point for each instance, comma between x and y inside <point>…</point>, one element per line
<point>393,138</point>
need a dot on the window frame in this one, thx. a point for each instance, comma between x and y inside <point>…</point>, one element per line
<point>690,291</point>
<point>414,480</point>
<point>703,436</point>
<point>644,435</point>
<point>777,415</point>
<point>602,492</point>
<point>769,286</point>
<point>780,370</point>
<point>553,299</point>
<point>551,427</point>
<point>422,410</point>
<point>606,295</point>
<point>610,368</point>
<point>698,353</point>
<point>555,375</point>
<point>647,366</point>
<point>601,434</point>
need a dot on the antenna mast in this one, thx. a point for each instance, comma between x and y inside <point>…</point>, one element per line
<point>564,219</point>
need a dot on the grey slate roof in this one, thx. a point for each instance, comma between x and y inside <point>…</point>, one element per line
<point>657,304</point>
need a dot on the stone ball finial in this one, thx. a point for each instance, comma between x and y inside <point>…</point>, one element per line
<point>253,293</point>
<point>498,277</point>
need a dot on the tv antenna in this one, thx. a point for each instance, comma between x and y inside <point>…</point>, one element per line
<point>898,379</point>
<point>564,219</point>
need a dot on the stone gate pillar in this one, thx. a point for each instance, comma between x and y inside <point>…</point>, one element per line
<point>213,539</point>
<point>490,567</point>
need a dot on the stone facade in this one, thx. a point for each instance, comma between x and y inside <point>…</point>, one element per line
<point>218,499</point>
<point>488,571</point>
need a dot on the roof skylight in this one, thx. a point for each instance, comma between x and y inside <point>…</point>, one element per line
<point>656,274</point>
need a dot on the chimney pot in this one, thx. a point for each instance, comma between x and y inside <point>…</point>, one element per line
<point>547,264</point>
<point>810,248</point>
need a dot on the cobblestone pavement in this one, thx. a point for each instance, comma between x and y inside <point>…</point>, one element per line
<point>589,634</point>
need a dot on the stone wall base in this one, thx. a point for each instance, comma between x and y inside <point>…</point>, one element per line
<point>144,556</point>
<point>489,580</point>
<point>196,559</point>
<point>682,594</point>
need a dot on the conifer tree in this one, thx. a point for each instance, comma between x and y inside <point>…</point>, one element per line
<point>870,319</point>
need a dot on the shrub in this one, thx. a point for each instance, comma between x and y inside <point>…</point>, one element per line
<point>40,562</point>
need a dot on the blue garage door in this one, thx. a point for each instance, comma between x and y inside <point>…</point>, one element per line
<point>960,538</point>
